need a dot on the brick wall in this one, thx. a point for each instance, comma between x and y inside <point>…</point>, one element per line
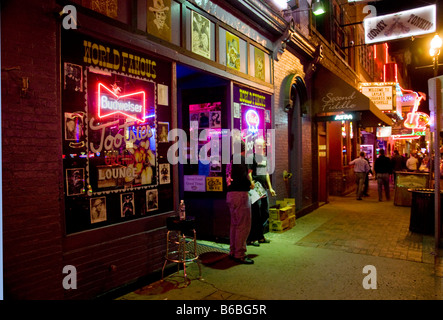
<point>31,152</point>
<point>287,65</point>
<point>35,245</point>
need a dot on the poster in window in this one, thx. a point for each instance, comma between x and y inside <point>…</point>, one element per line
<point>165,173</point>
<point>73,77</point>
<point>74,128</point>
<point>214,184</point>
<point>259,64</point>
<point>163,97</point>
<point>163,129</point>
<point>75,181</point>
<point>98,209</point>
<point>215,119</point>
<point>159,19</point>
<point>200,37</point>
<point>127,204</point>
<point>232,51</point>
<point>121,118</point>
<point>152,200</point>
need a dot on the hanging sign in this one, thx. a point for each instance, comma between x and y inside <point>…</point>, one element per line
<point>381,96</point>
<point>131,105</point>
<point>402,24</point>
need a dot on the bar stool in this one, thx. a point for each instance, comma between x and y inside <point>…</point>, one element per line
<point>180,248</point>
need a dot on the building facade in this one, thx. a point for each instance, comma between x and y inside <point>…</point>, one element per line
<point>90,92</point>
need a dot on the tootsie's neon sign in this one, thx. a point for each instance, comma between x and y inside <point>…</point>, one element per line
<point>132,105</point>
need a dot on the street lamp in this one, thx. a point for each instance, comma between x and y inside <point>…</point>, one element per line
<point>436,44</point>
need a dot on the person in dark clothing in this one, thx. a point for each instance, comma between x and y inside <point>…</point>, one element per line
<point>398,163</point>
<point>239,182</point>
<point>366,188</point>
<point>383,169</point>
<point>260,208</point>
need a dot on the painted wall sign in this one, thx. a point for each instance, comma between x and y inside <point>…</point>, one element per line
<point>403,24</point>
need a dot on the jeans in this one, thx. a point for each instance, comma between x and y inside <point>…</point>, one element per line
<point>259,216</point>
<point>240,208</point>
<point>383,182</point>
<point>360,180</point>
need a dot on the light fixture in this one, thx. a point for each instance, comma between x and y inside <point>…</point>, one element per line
<point>318,8</point>
<point>434,52</point>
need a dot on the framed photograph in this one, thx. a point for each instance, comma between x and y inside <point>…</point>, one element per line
<point>152,200</point>
<point>127,204</point>
<point>165,173</point>
<point>163,129</point>
<point>259,64</point>
<point>215,119</point>
<point>267,116</point>
<point>75,181</point>
<point>200,36</point>
<point>73,77</point>
<point>232,51</point>
<point>97,209</point>
<point>159,18</point>
<point>162,94</point>
<point>73,126</point>
<point>203,120</point>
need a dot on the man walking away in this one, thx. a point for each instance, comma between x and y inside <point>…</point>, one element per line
<point>361,168</point>
<point>383,169</point>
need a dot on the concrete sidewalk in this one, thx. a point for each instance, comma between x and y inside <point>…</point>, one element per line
<point>321,257</point>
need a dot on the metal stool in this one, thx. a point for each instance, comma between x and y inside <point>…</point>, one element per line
<point>180,248</point>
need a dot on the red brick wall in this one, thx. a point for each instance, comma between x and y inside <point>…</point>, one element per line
<point>32,228</point>
<point>35,245</point>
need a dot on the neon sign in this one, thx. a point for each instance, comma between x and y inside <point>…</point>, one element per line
<point>414,119</point>
<point>253,120</point>
<point>132,105</point>
<point>344,117</point>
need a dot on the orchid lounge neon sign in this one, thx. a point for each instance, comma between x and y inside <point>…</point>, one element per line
<point>110,102</point>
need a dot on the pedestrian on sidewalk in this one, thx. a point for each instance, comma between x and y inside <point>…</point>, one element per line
<point>361,168</point>
<point>260,208</point>
<point>239,182</point>
<point>383,170</point>
<point>366,187</point>
<point>412,163</point>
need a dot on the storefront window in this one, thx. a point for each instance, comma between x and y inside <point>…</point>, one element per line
<point>115,112</point>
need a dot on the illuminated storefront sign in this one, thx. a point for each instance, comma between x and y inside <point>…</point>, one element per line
<point>382,94</point>
<point>132,105</point>
<point>403,24</point>
<point>253,120</point>
<point>343,117</point>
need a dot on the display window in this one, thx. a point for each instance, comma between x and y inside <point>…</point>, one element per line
<point>252,113</point>
<point>116,118</point>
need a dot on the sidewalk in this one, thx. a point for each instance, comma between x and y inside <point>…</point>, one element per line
<point>321,257</point>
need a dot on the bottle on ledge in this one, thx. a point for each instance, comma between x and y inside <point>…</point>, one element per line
<point>182,211</point>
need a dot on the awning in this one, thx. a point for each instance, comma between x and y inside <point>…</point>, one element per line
<point>334,95</point>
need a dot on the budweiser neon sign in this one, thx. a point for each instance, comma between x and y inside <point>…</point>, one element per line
<point>132,105</point>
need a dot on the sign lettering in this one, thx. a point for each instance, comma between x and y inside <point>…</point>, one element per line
<point>403,24</point>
